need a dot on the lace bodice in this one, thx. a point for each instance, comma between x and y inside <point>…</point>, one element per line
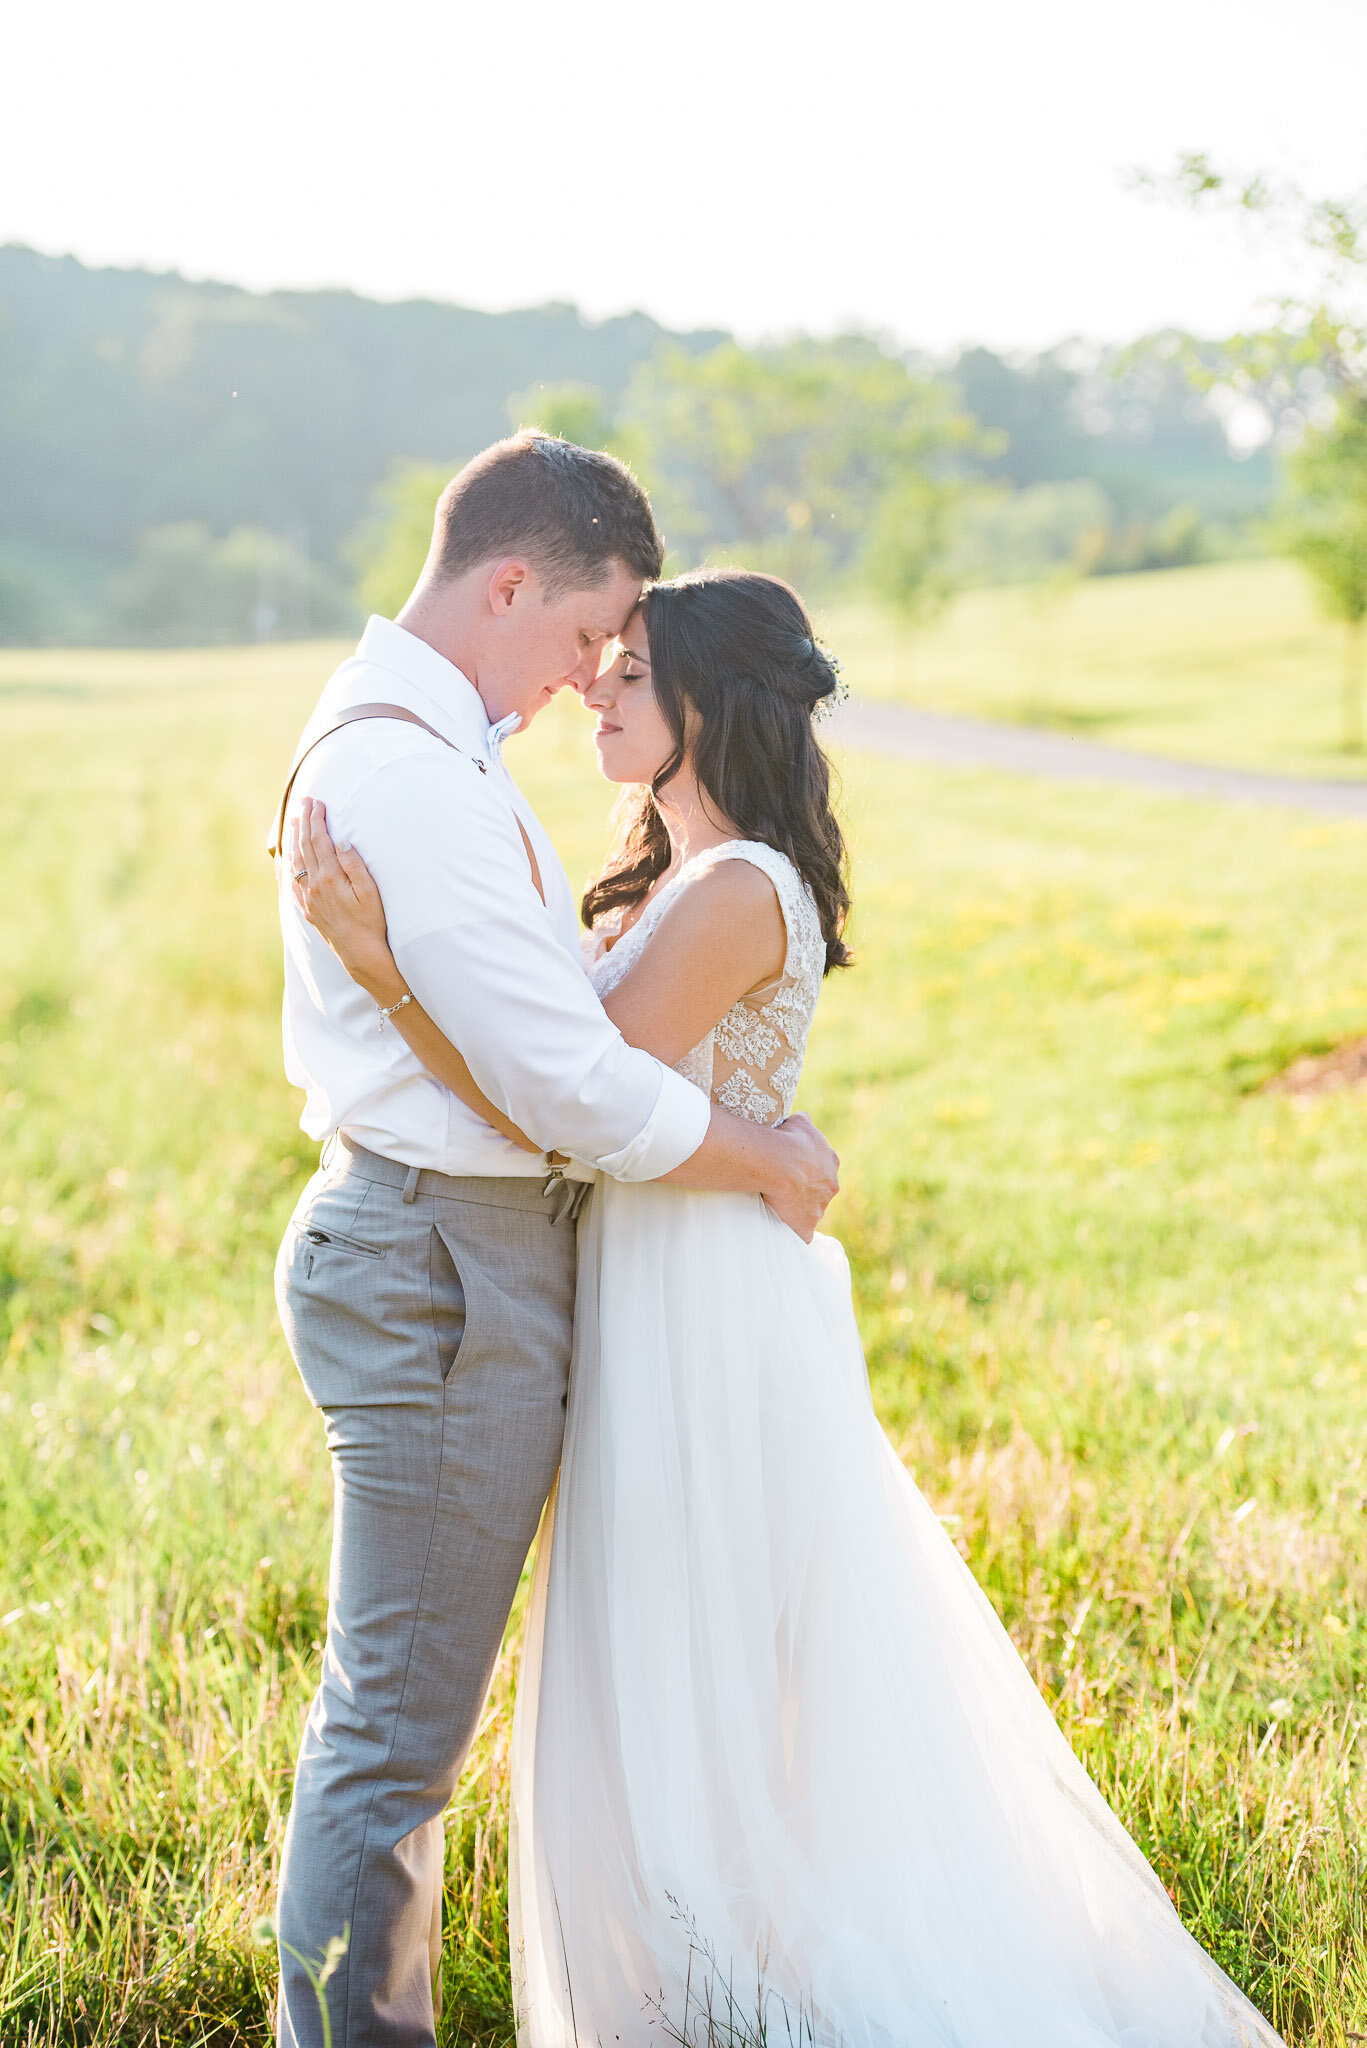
<point>750,1062</point>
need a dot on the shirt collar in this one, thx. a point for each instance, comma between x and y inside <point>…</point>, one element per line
<point>500,731</point>
<point>459,708</point>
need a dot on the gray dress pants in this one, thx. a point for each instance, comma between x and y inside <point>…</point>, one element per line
<point>430,1318</point>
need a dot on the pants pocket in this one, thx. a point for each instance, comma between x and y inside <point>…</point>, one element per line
<point>346,1301</point>
<point>450,1307</point>
<point>372,1302</point>
<point>316,1235</point>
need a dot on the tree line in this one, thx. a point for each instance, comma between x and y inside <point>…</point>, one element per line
<point>183,461</point>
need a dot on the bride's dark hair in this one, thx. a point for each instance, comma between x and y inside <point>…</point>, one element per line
<point>737,650</point>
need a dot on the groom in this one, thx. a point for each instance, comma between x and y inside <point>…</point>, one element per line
<point>426,1281</point>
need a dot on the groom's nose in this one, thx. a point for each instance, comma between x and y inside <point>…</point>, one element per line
<point>586,675</point>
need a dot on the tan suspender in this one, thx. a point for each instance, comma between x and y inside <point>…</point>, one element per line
<point>352,717</point>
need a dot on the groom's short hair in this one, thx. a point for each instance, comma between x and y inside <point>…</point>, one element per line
<point>569,510</point>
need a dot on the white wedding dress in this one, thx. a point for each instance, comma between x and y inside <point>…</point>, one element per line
<point>778,1769</point>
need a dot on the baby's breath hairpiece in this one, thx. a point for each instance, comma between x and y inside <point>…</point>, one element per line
<point>839,693</point>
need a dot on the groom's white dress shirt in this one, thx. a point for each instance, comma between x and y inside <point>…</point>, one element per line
<point>498,971</point>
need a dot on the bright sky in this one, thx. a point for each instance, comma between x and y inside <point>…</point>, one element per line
<point>943,171</point>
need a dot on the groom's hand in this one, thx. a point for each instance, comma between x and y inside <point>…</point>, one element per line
<point>790,1164</point>
<point>807,1178</point>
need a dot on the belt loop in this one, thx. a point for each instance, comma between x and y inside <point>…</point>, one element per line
<point>410,1186</point>
<point>329,1151</point>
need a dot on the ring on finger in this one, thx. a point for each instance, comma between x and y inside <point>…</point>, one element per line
<point>301,874</point>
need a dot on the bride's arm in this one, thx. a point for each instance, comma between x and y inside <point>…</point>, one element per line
<point>721,937</point>
<point>340,899</point>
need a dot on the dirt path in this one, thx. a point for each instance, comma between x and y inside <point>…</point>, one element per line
<point>1027,750</point>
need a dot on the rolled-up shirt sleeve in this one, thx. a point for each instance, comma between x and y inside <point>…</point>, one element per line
<point>478,948</point>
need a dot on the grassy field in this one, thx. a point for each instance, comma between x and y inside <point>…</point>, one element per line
<point>1114,1297</point>
<point>1230,662</point>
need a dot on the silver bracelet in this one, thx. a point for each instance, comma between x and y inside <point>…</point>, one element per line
<point>405,998</point>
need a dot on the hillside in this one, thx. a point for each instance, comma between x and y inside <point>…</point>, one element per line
<point>184,461</point>
<point>131,400</point>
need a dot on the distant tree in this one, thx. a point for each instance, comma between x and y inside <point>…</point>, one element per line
<point>1323,524</point>
<point>1053,530</point>
<point>1315,346</point>
<point>906,549</point>
<point>21,617</point>
<point>572,412</point>
<point>185,586</point>
<point>812,459</point>
<point>387,550</point>
<point>1142,423</point>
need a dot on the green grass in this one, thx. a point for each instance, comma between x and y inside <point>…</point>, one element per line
<point>1230,662</point>
<point>1115,1302</point>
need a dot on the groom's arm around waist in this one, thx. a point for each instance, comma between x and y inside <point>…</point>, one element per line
<point>479,950</point>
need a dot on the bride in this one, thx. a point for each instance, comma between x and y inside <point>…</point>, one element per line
<point>778,1769</point>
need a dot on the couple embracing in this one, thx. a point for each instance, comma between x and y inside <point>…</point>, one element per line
<point>777,1766</point>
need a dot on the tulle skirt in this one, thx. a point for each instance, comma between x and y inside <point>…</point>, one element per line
<point>779,1772</point>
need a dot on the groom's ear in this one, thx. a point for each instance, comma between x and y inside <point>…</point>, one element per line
<point>509,578</point>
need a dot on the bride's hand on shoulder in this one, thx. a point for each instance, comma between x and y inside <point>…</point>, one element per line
<point>337,893</point>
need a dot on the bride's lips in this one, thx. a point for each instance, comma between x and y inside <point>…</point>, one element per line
<point>602,729</point>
